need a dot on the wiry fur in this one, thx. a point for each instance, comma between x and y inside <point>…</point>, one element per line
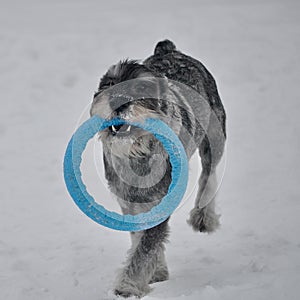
<point>133,162</point>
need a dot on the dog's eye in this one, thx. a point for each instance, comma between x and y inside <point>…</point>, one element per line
<point>124,128</point>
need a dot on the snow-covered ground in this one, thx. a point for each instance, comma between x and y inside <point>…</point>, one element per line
<point>52,54</point>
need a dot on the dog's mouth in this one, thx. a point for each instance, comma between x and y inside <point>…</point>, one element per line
<point>128,140</point>
<point>122,130</point>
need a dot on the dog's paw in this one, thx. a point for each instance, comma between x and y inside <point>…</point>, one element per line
<point>125,294</point>
<point>204,220</point>
<point>128,288</point>
<point>161,274</point>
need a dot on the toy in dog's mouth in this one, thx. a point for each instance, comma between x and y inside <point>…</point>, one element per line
<point>143,219</point>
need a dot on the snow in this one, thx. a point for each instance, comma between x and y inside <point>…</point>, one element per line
<point>51,57</point>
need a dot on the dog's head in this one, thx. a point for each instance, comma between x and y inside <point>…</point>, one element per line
<point>112,100</point>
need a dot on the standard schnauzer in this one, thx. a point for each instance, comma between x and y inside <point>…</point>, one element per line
<point>180,91</point>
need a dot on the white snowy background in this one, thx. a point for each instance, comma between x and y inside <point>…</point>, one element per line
<point>52,54</point>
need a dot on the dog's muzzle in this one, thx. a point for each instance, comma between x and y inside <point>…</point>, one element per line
<point>123,130</point>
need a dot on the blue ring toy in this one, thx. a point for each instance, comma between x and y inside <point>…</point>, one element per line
<point>97,212</point>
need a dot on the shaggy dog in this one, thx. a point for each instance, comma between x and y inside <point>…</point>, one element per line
<point>180,91</point>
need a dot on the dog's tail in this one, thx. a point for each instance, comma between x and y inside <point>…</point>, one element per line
<point>164,47</point>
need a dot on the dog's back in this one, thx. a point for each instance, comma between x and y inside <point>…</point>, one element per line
<point>168,61</point>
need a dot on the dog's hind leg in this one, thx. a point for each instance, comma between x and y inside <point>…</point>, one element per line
<point>144,264</point>
<point>161,273</point>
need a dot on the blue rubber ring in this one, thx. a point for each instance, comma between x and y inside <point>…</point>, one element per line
<point>97,212</point>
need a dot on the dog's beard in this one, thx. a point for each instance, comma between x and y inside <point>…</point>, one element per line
<point>137,157</point>
<point>134,145</point>
<point>131,141</point>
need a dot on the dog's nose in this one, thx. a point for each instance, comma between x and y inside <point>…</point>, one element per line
<point>120,129</point>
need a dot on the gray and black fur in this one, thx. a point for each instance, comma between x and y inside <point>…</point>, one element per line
<point>134,151</point>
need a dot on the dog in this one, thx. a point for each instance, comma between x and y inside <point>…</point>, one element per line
<point>179,90</point>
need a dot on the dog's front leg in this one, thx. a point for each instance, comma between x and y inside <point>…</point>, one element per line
<point>203,217</point>
<point>146,262</point>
